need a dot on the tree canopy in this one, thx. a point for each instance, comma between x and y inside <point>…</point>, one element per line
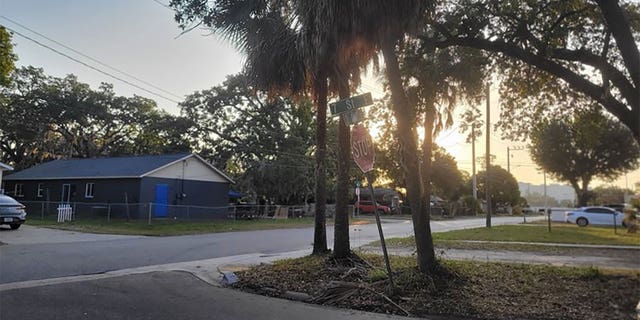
<point>504,186</point>
<point>553,57</point>
<point>7,57</point>
<point>609,195</point>
<point>44,118</point>
<point>583,147</point>
<point>266,143</point>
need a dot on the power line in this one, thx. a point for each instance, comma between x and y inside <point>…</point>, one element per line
<point>162,4</point>
<point>91,67</point>
<point>90,58</point>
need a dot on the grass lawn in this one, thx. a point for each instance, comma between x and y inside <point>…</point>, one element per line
<point>462,289</point>
<point>171,228</point>
<point>560,233</point>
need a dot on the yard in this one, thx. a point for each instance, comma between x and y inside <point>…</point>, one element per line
<point>560,233</point>
<point>461,289</point>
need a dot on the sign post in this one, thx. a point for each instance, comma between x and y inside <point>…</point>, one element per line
<point>356,212</point>
<point>364,155</point>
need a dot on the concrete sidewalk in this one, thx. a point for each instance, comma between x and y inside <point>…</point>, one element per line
<point>159,296</point>
<point>619,257</point>
<point>564,245</point>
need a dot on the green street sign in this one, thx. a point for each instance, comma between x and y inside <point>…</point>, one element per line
<point>351,103</point>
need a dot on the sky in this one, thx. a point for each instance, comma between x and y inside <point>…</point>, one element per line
<point>141,38</point>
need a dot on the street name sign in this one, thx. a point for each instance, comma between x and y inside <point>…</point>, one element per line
<point>362,149</point>
<point>350,103</point>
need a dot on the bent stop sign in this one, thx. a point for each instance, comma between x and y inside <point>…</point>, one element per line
<point>362,148</point>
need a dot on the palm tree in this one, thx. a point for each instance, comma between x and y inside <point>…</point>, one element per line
<point>443,77</point>
<point>274,63</point>
<point>331,48</point>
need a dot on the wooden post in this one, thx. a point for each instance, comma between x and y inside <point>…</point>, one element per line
<point>149,215</point>
<point>126,203</point>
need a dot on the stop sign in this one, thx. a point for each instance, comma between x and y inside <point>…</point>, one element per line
<point>362,148</point>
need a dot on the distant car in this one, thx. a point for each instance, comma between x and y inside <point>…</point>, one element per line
<point>12,212</point>
<point>527,210</point>
<point>594,215</point>
<point>368,207</point>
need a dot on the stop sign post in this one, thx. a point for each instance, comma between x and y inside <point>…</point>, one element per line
<point>363,153</point>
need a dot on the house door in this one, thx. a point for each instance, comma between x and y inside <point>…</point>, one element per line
<point>66,193</point>
<point>162,200</point>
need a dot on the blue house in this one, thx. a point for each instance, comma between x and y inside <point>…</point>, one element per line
<point>157,184</point>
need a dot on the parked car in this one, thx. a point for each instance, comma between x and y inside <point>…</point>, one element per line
<point>12,212</point>
<point>616,206</point>
<point>368,207</point>
<point>594,215</point>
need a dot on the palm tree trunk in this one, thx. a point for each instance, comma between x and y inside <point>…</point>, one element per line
<point>405,117</point>
<point>320,228</point>
<point>341,247</point>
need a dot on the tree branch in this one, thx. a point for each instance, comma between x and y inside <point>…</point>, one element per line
<point>629,116</point>
<point>614,75</point>
<point>619,26</point>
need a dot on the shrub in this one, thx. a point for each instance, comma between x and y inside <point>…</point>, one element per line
<point>630,220</point>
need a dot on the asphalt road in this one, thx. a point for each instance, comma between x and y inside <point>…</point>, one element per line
<point>34,261</point>
<point>159,296</point>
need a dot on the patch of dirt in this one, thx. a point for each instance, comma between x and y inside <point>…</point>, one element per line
<point>476,290</point>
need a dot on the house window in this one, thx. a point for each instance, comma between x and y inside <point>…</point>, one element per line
<point>18,190</point>
<point>88,190</point>
<point>40,190</point>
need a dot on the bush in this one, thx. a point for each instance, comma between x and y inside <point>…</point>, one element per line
<point>630,220</point>
<point>470,203</point>
<point>516,211</point>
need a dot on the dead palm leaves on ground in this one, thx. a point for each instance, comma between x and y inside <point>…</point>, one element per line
<point>337,292</point>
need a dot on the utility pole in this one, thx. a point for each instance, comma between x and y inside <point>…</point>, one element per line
<point>473,162</point>
<point>627,196</point>
<point>508,161</point>
<point>488,157</point>
<point>546,204</point>
<point>509,149</point>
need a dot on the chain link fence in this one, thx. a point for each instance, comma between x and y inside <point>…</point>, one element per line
<point>152,212</point>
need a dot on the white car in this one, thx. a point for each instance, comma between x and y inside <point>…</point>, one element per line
<point>594,215</point>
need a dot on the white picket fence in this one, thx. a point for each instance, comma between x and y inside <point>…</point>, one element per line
<point>65,212</point>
